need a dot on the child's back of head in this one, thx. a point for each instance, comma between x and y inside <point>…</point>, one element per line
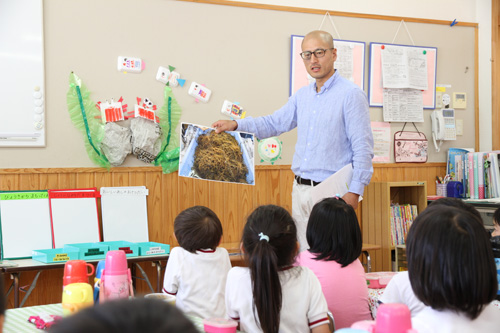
<point>333,232</point>
<point>450,261</point>
<point>197,227</point>
<point>127,316</point>
<point>269,244</point>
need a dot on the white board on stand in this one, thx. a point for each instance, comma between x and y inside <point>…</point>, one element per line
<point>25,223</point>
<point>74,216</point>
<point>124,213</point>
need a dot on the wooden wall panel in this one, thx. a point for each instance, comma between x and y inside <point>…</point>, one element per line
<point>170,194</point>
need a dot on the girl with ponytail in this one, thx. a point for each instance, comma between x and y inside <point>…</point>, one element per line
<point>271,295</point>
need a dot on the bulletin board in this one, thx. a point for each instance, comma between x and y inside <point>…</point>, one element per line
<point>298,74</point>
<point>375,90</point>
<point>22,115</point>
<point>246,62</point>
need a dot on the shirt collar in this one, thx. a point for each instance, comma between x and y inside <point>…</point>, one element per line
<point>328,84</point>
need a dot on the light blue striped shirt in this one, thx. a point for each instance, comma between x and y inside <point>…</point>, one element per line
<point>333,130</point>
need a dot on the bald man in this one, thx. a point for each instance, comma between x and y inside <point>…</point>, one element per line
<point>333,129</point>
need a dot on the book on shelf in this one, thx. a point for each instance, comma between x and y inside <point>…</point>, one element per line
<point>479,172</point>
<point>402,216</point>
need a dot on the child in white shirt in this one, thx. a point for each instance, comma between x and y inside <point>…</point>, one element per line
<point>271,295</point>
<point>451,270</point>
<point>197,270</point>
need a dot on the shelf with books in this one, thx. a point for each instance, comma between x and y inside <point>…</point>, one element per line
<point>376,217</point>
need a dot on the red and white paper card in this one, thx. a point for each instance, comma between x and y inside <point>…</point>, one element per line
<point>74,216</point>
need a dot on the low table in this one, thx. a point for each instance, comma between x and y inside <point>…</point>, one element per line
<point>24,265</point>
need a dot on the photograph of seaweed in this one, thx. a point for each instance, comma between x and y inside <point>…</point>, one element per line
<point>225,157</point>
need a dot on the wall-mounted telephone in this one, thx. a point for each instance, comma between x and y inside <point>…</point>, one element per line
<point>443,126</point>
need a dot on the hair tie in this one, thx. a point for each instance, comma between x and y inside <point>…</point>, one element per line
<point>262,236</point>
<point>337,196</point>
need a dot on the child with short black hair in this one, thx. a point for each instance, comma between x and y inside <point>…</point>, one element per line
<point>451,270</point>
<point>335,243</point>
<point>197,270</point>
<point>271,295</point>
<point>399,288</point>
<point>126,316</point>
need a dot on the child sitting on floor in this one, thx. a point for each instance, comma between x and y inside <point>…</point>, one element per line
<point>451,270</point>
<point>271,295</point>
<point>335,243</point>
<point>196,270</point>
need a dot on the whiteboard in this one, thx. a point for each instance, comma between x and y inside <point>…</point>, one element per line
<point>25,223</point>
<point>125,213</point>
<point>22,116</point>
<point>74,216</point>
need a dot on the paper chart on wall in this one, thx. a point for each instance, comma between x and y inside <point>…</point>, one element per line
<point>403,105</point>
<point>404,67</point>
<point>74,216</point>
<point>25,223</point>
<point>375,84</point>
<point>124,213</point>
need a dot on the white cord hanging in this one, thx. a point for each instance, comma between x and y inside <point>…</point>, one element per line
<point>333,24</point>
<point>399,27</point>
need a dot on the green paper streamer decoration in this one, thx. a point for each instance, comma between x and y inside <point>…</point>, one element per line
<point>83,112</point>
<point>169,115</point>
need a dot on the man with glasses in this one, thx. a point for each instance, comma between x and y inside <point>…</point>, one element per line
<point>333,129</point>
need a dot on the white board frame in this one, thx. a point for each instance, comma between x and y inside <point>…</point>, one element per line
<point>22,115</point>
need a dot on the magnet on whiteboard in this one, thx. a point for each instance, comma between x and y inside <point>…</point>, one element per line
<point>351,45</point>
<point>38,125</point>
<point>39,110</point>
<point>38,102</point>
<point>37,95</point>
<point>38,118</point>
<point>37,88</point>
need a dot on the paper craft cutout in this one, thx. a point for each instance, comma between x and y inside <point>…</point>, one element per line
<point>233,110</point>
<point>169,77</point>
<point>169,114</point>
<point>270,149</point>
<point>124,213</point>
<point>112,111</point>
<point>129,64</point>
<point>84,115</point>
<point>74,216</point>
<point>199,92</point>
<point>146,110</point>
<point>25,223</point>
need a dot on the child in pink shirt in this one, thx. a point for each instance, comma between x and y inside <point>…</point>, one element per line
<point>334,238</point>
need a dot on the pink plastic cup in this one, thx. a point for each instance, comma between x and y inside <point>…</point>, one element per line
<point>393,318</point>
<point>219,325</point>
<point>76,271</point>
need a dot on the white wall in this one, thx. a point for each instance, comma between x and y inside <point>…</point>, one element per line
<point>477,11</point>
